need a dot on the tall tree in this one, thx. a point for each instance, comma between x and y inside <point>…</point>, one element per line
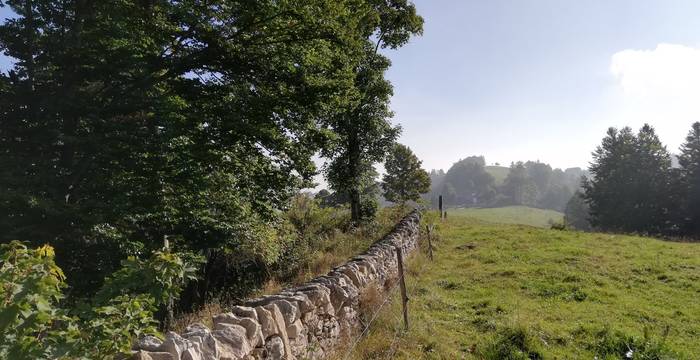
<point>630,183</point>
<point>404,180</point>
<point>363,132</point>
<point>541,174</point>
<point>123,122</point>
<point>690,181</point>
<point>519,186</point>
<point>651,183</point>
<point>576,213</point>
<point>468,183</point>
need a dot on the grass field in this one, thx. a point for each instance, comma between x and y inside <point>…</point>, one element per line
<point>498,291</point>
<point>510,215</point>
<point>498,172</point>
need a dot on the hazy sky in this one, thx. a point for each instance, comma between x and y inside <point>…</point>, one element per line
<point>543,79</point>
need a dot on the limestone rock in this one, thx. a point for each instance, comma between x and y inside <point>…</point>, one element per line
<point>295,330</point>
<point>252,327</point>
<point>232,342</point>
<point>244,311</point>
<point>267,323</point>
<point>148,343</point>
<point>202,336</point>
<point>175,345</point>
<point>152,355</point>
<point>275,348</point>
<point>289,311</point>
<point>280,324</point>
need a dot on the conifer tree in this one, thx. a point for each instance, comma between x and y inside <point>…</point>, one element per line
<point>631,183</point>
<point>690,181</point>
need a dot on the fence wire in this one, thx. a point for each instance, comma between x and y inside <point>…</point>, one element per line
<point>369,323</point>
<point>393,347</point>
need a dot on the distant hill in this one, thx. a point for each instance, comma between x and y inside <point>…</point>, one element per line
<point>498,172</point>
<point>469,182</point>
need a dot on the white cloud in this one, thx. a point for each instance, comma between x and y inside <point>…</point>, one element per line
<point>660,87</point>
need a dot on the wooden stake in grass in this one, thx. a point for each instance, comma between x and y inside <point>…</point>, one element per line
<point>430,240</point>
<point>402,284</point>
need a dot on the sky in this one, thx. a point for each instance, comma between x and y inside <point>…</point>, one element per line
<point>543,79</point>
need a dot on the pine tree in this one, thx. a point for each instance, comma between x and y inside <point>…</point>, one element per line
<point>404,180</point>
<point>576,213</point>
<point>631,183</point>
<point>690,181</point>
<point>608,192</point>
<point>651,184</point>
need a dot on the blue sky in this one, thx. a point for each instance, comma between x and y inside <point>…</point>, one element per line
<point>543,79</point>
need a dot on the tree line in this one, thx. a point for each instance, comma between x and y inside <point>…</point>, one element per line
<point>128,125</point>
<point>470,183</point>
<point>635,187</point>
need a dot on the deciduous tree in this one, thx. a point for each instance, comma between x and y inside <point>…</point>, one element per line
<point>363,131</point>
<point>123,122</point>
<point>404,180</point>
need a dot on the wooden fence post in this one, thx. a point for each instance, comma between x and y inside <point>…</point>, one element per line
<point>430,240</point>
<point>402,283</point>
<point>440,205</point>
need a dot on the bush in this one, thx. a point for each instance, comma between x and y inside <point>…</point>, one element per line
<point>34,326</point>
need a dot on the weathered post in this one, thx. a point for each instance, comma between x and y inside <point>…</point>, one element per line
<point>402,284</point>
<point>440,205</point>
<point>430,241</point>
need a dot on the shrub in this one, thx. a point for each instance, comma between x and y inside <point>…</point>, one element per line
<point>34,326</point>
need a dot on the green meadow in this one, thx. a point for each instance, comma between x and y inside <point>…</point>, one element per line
<point>522,215</point>
<point>513,291</point>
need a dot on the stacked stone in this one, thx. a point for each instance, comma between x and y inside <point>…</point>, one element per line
<point>305,322</point>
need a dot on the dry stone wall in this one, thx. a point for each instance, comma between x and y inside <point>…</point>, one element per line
<point>305,322</point>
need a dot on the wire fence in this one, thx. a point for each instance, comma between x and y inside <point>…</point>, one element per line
<point>368,325</point>
<point>393,347</point>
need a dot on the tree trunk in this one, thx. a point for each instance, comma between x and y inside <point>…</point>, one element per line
<point>355,174</point>
<point>355,210</point>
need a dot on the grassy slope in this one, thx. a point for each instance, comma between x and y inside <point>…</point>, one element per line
<point>498,172</point>
<point>562,287</point>
<point>510,215</point>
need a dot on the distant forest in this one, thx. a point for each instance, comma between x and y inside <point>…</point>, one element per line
<point>471,183</point>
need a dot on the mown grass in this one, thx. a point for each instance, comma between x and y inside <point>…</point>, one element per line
<point>500,291</point>
<point>510,215</point>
